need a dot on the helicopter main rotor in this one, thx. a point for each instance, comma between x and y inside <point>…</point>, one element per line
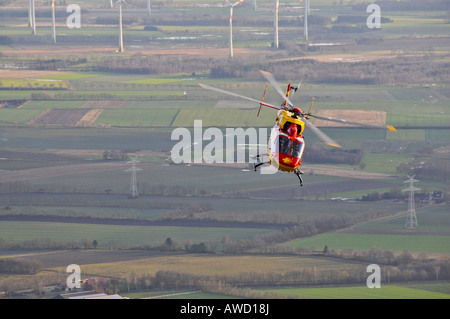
<point>289,106</point>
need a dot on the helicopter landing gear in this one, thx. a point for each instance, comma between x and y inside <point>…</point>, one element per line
<point>258,162</point>
<point>256,165</point>
<point>298,173</point>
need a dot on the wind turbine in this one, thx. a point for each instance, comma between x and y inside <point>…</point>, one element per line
<point>120,25</point>
<point>30,20</point>
<point>53,22</point>
<point>149,8</point>
<point>33,17</point>
<point>275,23</point>
<point>231,24</point>
<point>305,19</point>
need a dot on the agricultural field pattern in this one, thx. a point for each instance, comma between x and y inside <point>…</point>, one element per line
<point>88,129</point>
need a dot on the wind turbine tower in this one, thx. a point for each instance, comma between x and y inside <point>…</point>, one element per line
<point>305,19</point>
<point>149,8</point>
<point>275,24</point>
<point>33,17</point>
<point>30,19</point>
<point>231,24</point>
<point>133,184</point>
<point>120,26</point>
<point>411,218</point>
<point>53,22</point>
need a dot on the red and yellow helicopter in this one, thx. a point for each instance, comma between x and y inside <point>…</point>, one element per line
<point>286,143</point>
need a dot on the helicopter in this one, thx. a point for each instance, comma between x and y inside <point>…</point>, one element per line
<point>286,144</point>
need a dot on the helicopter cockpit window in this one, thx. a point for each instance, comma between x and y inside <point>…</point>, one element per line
<point>289,147</point>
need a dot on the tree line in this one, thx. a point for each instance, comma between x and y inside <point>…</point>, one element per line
<point>321,155</point>
<point>19,266</point>
<point>241,284</point>
<point>403,69</point>
<point>434,169</point>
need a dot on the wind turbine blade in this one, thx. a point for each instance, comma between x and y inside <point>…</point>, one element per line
<point>269,77</point>
<point>207,87</point>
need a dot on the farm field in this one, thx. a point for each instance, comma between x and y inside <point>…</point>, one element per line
<point>389,234</point>
<point>75,112</point>
<point>118,235</point>
<point>413,243</point>
<point>148,207</point>
<point>232,266</point>
<point>385,292</point>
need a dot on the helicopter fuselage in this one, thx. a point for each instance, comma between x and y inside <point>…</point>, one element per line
<point>286,143</point>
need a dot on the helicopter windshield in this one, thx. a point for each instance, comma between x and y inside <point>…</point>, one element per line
<point>290,147</point>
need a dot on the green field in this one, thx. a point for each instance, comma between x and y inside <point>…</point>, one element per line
<point>390,234</point>
<point>20,116</point>
<point>118,235</point>
<point>412,243</point>
<point>33,84</point>
<point>430,218</point>
<point>140,117</point>
<point>385,292</point>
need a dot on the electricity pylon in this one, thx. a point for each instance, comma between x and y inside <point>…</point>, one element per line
<point>411,218</point>
<point>133,184</point>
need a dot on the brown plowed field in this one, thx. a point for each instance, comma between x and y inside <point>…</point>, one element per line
<point>85,257</point>
<point>60,117</point>
<point>90,117</point>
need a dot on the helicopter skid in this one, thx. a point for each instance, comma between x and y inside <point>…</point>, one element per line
<point>258,162</point>
<point>256,165</point>
<point>299,173</point>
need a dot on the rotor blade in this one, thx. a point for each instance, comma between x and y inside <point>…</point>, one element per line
<point>298,88</point>
<point>269,77</point>
<point>326,118</point>
<point>237,95</point>
<point>321,134</point>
